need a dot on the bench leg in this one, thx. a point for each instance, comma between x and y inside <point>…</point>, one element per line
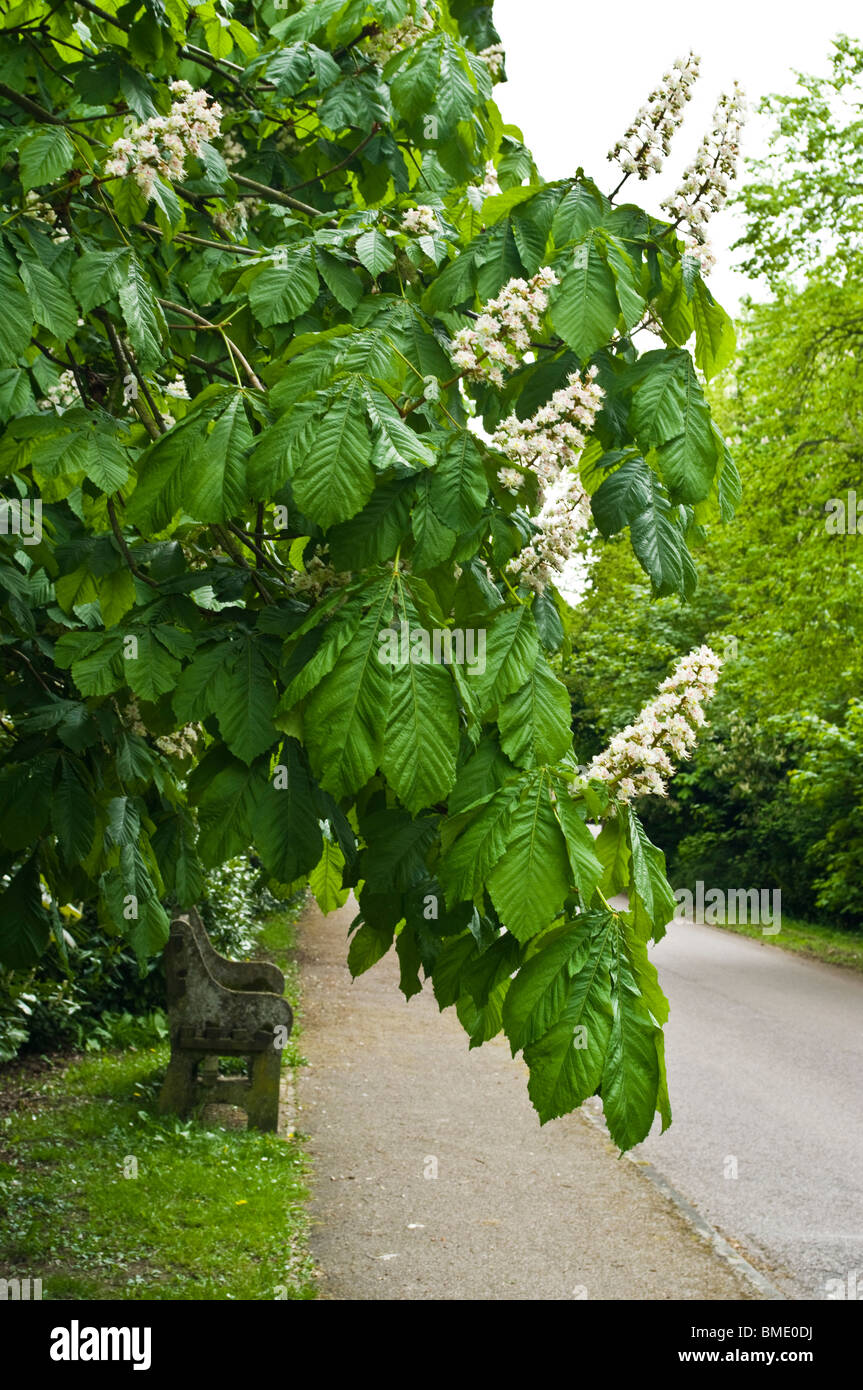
<point>262,1107</point>
<point>177,1096</point>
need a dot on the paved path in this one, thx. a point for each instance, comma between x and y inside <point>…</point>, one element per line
<point>392,1096</point>
<point>765,1065</point>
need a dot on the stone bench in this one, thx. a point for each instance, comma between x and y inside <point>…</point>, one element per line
<point>228,1008</point>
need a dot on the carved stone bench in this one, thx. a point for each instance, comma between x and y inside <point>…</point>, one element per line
<point>228,1008</point>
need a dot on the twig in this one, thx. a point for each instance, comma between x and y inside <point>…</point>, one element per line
<point>201,241</point>
<point>274,196</point>
<point>336,167</point>
<point>238,560</point>
<point>155,427</point>
<point>127,554</point>
<point>205,323</point>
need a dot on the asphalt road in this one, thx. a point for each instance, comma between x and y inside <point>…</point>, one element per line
<point>765,1066</point>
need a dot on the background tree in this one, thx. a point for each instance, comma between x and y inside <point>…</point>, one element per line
<point>784,584</point>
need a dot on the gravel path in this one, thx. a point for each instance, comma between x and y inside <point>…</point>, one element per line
<point>433,1178</point>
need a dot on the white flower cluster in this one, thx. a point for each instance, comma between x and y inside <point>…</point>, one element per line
<point>34,206</point>
<point>234,221</point>
<point>159,147</point>
<point>649,137</point>
<point>382,47</point>
<point>638,760</point>
<point>233,150</point>
<point>318,576</point>
<point>490,185</point>
<point>502,331</point>
<point>548,444</point>
<point>706,180</point>
<point>180,744</point>
<point>177,388</point>
<point>422,219</point>
<point>561,520</point>
<point>131,717</point>
<point>553,438</point>
<point>177,745</point>
<point>495,58</point>
<point>62,394</point>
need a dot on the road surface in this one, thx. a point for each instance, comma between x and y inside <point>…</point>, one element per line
<point>765,1067</point>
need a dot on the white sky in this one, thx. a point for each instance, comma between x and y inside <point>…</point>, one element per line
<point>578,73</point>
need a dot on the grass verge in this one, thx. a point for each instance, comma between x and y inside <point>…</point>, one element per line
<point>827,944</point>
<point>105,1199</point>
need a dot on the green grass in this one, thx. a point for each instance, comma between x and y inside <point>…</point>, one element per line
<point>827,944</point>
<point>213,1213</point>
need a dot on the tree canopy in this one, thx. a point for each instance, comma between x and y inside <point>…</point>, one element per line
<point>281,294</point>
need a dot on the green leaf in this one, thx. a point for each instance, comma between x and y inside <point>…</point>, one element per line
<point>245,702</point>
<point>25,927</point>
<point>194,697</point>
<point>116,596</point>
<point>368,945</point>
<point>512,650</point>
<point>395,443</point>
<point>653,894</point>
<point>142,314</point>
<point>130,204</point>
<point>587,869</point>
<point>659,546</point>
<point>334,480</point>
<point>626,280</point>
<point>584,307</point>
<point>458,486</point>
<point>474,842</point>
<point>375,252</point>
<point>325,879</point>
<point>282,292</point>
<point>153,672</point>
<point>630,1076</point>
<point>51,303</point>
<point>542,986</point>
<point>622,496</point>
<point>534,721</point>
<point>669,410</point>
<point>72,813</point>
<point>174,844</point>
<point>286,830</point>
<point>16,320</point>
<point>529,884</point>
<point>343,283</point>
<point>105,463</point>
<point>715,339</point>
<point>226,812</point>
<point>566,1063</point>
<point>218,487</point>
<point>346,715</point>
<point>44,155</point>
<point>421,739</point>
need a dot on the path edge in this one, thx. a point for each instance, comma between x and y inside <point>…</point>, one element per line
<point>721,1247</point>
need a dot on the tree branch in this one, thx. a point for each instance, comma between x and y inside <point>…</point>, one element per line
<point>205,323</point>
<point>336,167</point>
<point>127,554</point>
